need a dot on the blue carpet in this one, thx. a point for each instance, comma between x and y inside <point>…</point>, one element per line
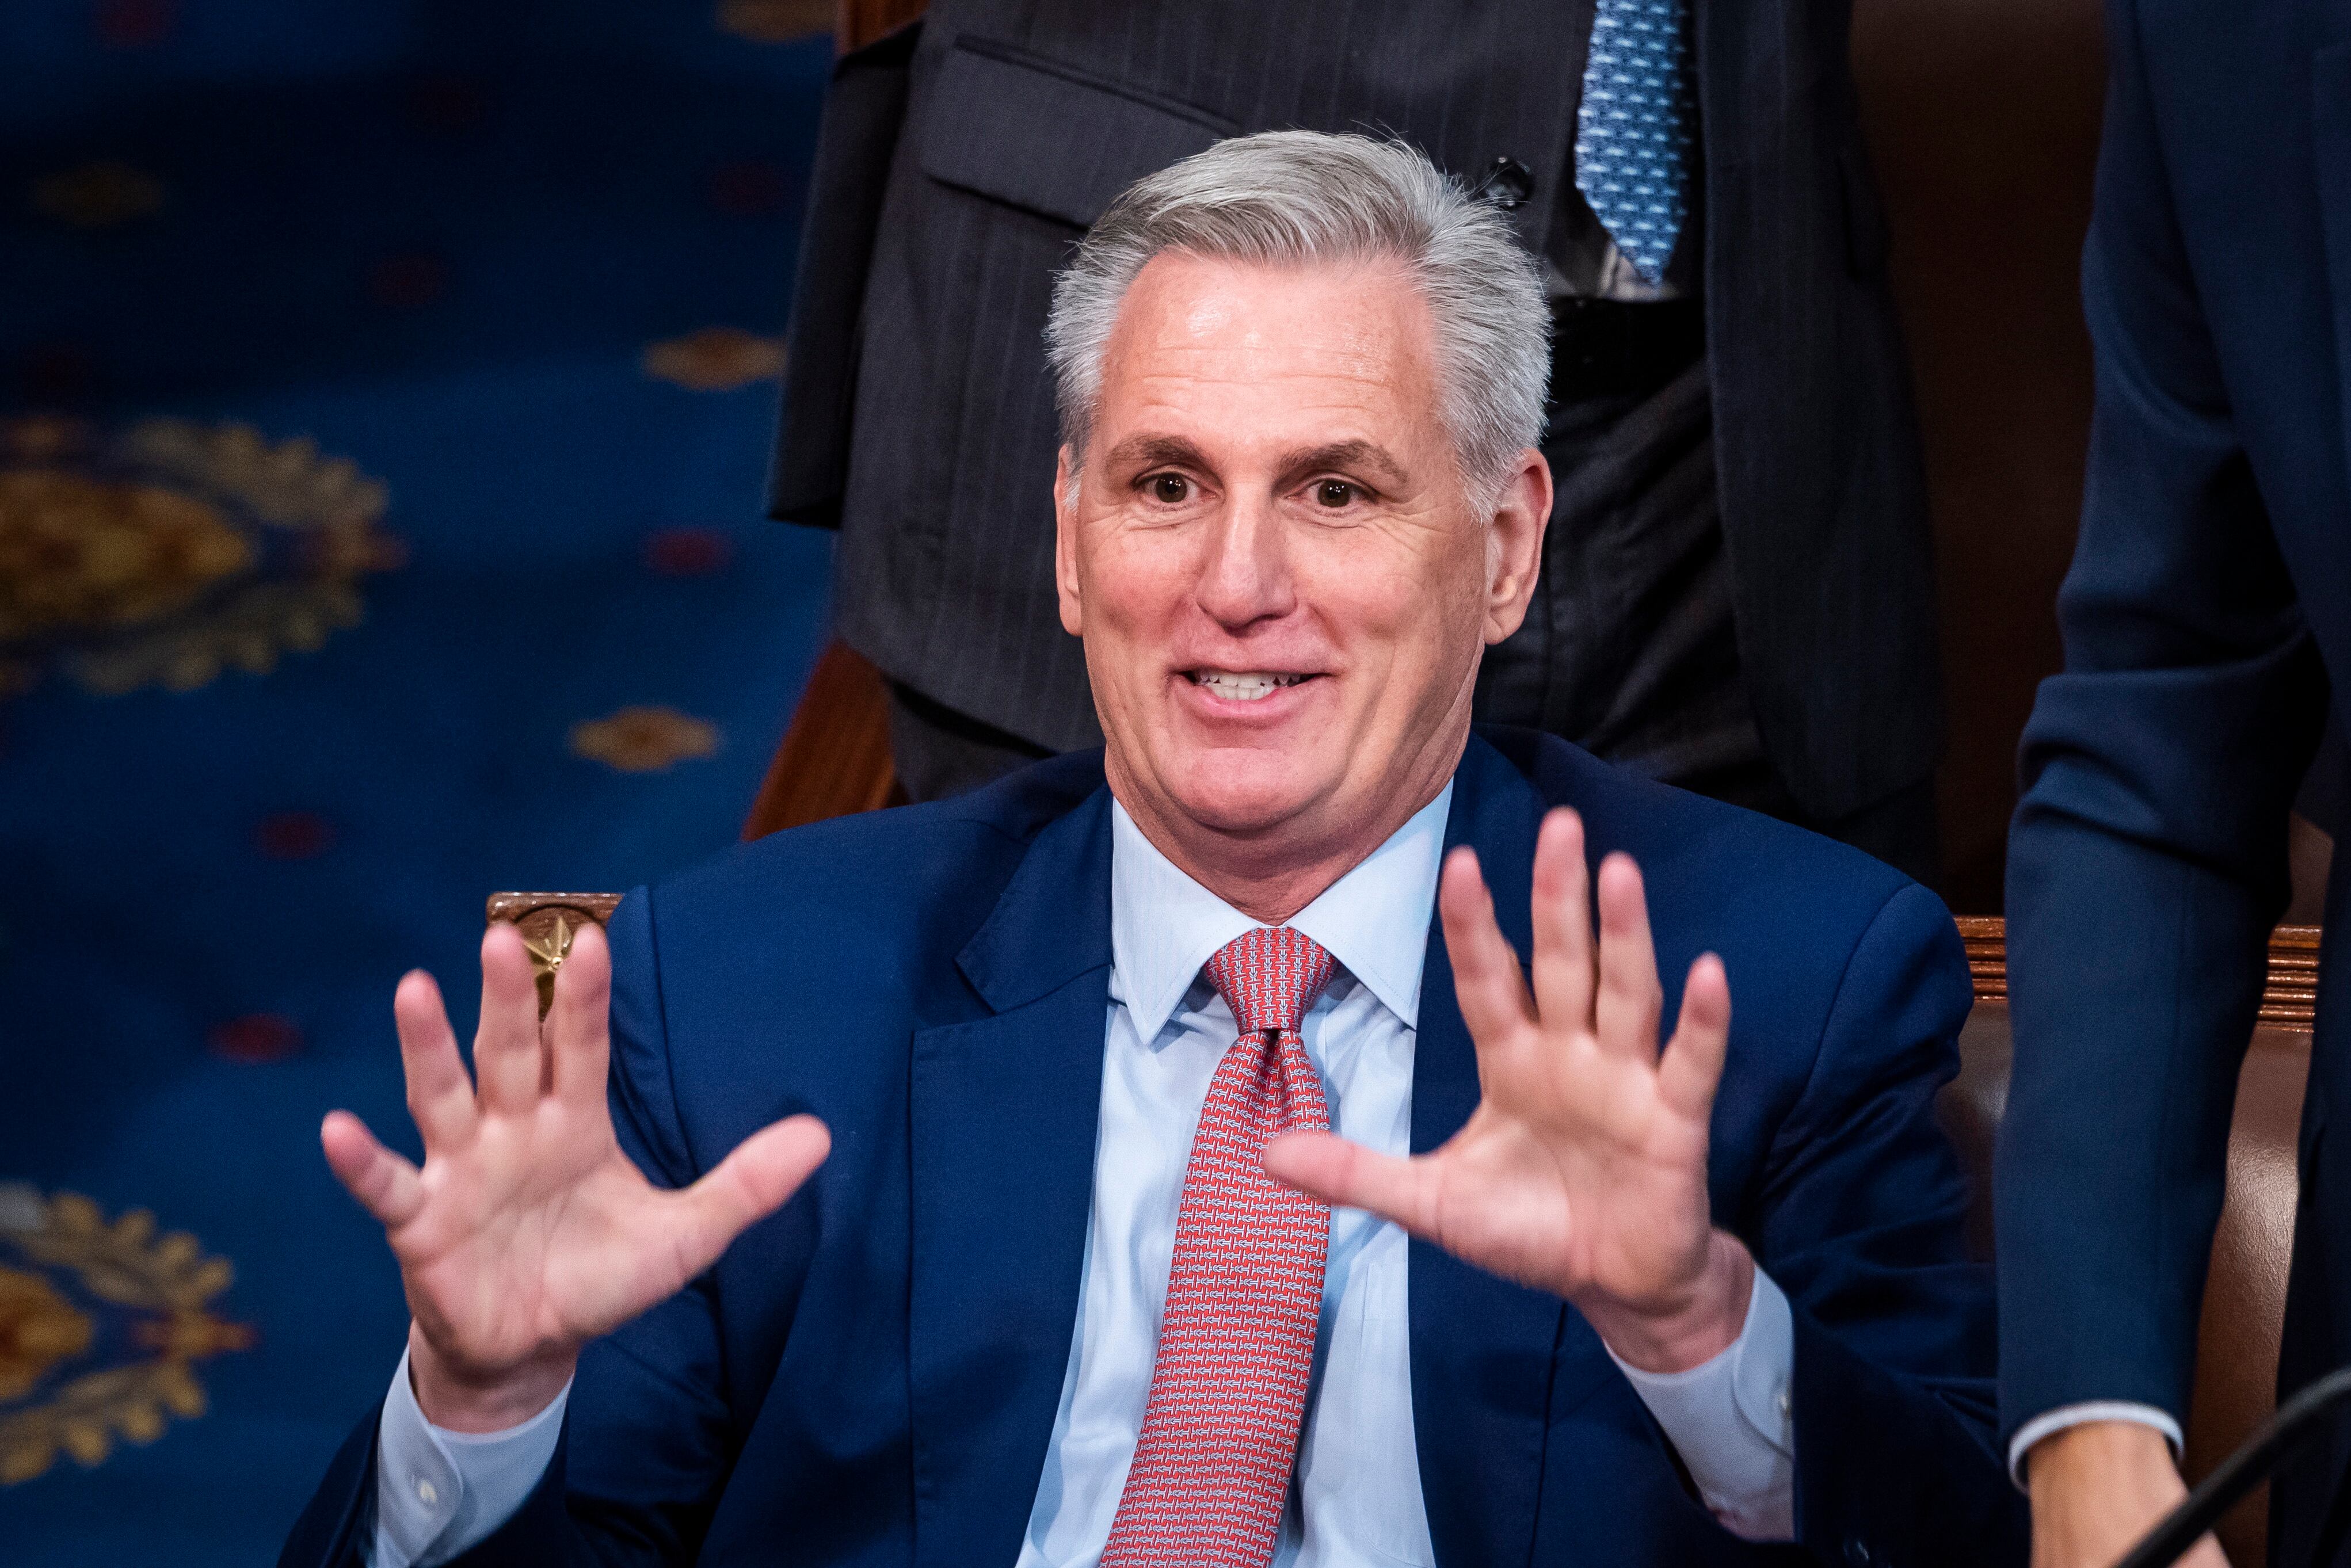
<point>385,393</point>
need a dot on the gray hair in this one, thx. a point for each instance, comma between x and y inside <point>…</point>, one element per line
<point>1287,198</point>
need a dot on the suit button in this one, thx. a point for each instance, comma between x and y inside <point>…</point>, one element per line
<point>1856,1551</point>
<point>1509,185</point>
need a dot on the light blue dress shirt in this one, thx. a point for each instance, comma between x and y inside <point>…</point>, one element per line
<point>1355,1500</point>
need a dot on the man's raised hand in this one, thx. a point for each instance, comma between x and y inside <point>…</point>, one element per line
<point>1582,1171</point>
<point>527,1232</point>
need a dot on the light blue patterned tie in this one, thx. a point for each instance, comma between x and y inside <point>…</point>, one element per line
<point>1633,131</point>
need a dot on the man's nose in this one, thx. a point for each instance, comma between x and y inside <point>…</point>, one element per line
<point>1245,570</point>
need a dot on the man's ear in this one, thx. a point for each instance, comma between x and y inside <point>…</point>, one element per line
<point>1514,545</point>
<point>1065,543</point>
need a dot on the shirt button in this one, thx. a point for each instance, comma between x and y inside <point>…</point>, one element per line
<point>427,1493</point>
<point>1786,1408</point>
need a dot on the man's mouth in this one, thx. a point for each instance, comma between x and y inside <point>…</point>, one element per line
<point>1247,686</point>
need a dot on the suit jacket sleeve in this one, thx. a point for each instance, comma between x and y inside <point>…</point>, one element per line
<point>1860,1222</point>
<point>646,1446</point>
<point>2146,862</point>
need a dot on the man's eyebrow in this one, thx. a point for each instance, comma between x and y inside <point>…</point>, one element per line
<point>1154,452</point>
<point>1358,455</point>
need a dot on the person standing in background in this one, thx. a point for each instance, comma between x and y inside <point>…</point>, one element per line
<point>1738,590</point>
<point>2209,599</point>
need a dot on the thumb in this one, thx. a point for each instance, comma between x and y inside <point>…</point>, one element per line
<point>1349,1176</point>
<point>387,1185</point>
<point>748,1185</point>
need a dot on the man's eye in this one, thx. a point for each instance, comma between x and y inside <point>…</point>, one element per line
<point>1171,488</point>
<point>1335,493</point>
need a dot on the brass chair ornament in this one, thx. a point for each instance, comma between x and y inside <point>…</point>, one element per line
<point>548,921</point>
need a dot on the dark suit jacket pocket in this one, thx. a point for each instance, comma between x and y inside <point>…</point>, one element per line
<point>1050,139</point>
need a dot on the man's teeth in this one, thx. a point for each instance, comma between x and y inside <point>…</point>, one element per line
<point>1246,688</point>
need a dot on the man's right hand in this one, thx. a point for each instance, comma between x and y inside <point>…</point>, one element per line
<point>2099,1487</point>
<point>529,1232</point>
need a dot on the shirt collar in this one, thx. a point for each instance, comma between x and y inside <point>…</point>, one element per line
<point>1374,920</point>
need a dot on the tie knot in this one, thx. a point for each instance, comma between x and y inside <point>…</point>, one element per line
<point>1270,976</point>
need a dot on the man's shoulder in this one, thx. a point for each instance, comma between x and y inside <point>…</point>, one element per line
<point>1786,908</point>
<point>1670,828</point>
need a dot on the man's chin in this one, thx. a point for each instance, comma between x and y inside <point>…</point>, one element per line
<point>1246,792</point>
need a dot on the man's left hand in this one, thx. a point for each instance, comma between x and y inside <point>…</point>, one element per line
<point>1582,1171</point>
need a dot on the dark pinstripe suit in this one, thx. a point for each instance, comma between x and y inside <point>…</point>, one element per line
<point>959,162</point>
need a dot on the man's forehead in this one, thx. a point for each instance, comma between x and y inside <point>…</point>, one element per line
<point>1285,360</point>
<point>1332,315</point>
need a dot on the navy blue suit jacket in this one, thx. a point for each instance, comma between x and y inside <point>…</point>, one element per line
<point>2210,594</point>
<point>870,1375</point>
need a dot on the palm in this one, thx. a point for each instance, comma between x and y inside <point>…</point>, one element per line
<point>541,1231</point>
<point>1559,1177</point>
<point>1582,1171</point>
<point>527,1231</point>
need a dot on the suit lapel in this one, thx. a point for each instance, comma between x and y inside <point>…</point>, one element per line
<point>2331,130</point>
<point>1482,1348</point>
<point>1003,1114</point>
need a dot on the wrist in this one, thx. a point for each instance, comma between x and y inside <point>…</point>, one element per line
<point>2105,1455</point>
<point>1687,1326</point>
<point>2096,1488</point>
<point>459,1400</point>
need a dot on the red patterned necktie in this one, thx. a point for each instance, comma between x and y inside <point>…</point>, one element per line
<point>1212,1465</point>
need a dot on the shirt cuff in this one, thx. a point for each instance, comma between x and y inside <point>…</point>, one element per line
<point>2065,1415</point>
<point>439,1492</point>
<point>1731,1421</point>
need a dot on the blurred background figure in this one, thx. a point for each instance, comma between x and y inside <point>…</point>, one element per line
<point>1737,592</point>
<point>2209,601</point>
<point>385,392</point>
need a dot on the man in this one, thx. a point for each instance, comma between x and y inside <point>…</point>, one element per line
<point>1737,590</point>
<point>1152,1184</point>
<point>2209,597</point>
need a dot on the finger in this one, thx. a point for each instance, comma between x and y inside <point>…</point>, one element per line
<point>578,1026</point>
<point>1630,1001</point>
<point>1485,978</point>
<point>1692,1065</point>
<point>750,1184</point>
<point>386,1186</point>
<point>440,1091</point>
<point>1349,1176</point>
<point>440,1094</point>
<point>506,1046</point>
<point>1562,923</point>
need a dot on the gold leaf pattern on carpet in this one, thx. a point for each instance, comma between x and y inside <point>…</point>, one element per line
<point>102,1325</point>
<point>644,739</point>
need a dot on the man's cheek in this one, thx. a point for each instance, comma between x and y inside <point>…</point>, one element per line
<point>1379,606</point>
<point>1149,586</point>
